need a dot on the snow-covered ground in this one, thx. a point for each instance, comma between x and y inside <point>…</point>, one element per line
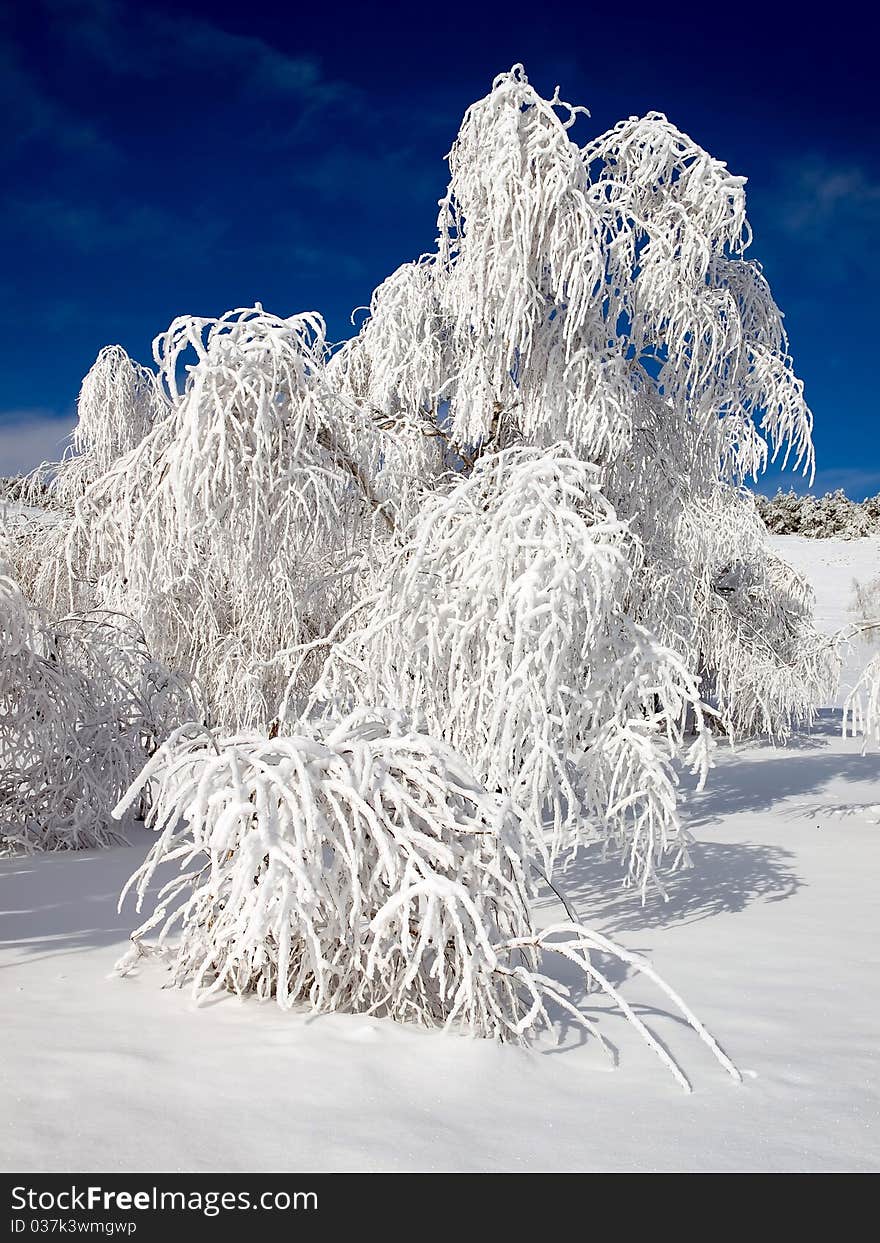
<point>772,938</point>
<point>834,566</point>
<point>14,512</point>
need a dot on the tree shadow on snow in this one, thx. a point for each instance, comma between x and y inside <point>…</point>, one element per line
<point>726,877</point>
<point>744,784</point>
<point>599,1009</point>
<point>58,903</point>
<point>828,725</point>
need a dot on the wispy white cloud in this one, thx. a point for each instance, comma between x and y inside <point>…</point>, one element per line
<point>830,212</point>
<point>91,226</point>
<point>130,42</point>
<point>855,481</point>
<point>147,42</point>
<point>825,196</point>
<point>31,112</point>
<point>126,41</point>
<point>29,437</point>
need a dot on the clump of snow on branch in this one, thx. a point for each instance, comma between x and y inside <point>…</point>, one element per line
<point>358,867</point>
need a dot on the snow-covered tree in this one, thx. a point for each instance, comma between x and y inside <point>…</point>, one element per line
<point>232,526</point>
<point>598,296</point>
<point>118,402</point>
<point>510,510</point>
<point>82,705</point>
<point>833,515</point>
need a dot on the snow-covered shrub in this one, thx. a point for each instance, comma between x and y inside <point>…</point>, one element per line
<point>18,488</point>
<point>360,867</point>
<point>864,609</point>
<point>862,708</point>
<point>783,513</point>
<point>82,704</point>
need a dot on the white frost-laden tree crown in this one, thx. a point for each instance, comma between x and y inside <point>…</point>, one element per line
<point>509,512</point>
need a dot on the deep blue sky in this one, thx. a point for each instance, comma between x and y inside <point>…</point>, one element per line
<point>161,158</point>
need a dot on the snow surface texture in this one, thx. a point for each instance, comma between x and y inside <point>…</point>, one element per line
<point>772,939</point>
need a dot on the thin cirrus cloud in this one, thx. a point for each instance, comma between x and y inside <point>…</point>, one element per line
<point>825,214</point>
<point>87,227</point>
<point>140,41</point>
<point>118,42</point>
<point>29,437</point>
<point>854,481</point>
<point>824,195</point>
<point>104,214</point>
<point>32,113</point>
